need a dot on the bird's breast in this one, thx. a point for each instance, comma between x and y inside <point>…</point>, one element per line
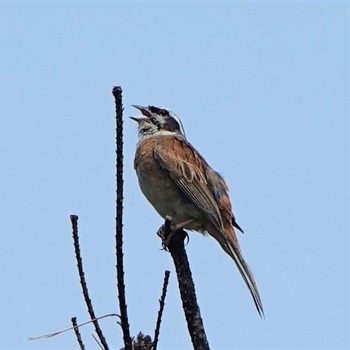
<point>159,188</point>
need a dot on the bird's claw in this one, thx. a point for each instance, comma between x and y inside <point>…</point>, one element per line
<point>167,233</point>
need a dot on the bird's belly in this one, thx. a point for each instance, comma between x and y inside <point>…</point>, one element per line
<point>165,196</point>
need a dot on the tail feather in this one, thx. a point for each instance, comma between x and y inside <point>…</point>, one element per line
<point>233,250</point>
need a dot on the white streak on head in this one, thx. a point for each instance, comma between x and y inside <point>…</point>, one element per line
<point>173,115</point>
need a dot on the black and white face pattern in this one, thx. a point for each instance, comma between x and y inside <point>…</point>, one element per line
<point>159,120</point>
<point>165,119</point>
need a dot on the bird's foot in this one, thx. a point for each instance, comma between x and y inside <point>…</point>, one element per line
<point>169,232</point>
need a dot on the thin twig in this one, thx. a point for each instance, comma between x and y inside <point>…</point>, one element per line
<point>161,308</point>
<point>74,220</point>
<point>97,341</point>
<point>77,333</point>
<point>50,335</point>
<point>117,93</point>
<point>174,241</point>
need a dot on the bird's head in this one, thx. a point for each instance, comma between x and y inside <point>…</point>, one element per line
<point>158,120</point>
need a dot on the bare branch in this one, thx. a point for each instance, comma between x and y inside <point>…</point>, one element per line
<point>77,333</point>
<point>74,220</point>
<point>161,308</point>
<point>174,241</point>
<point>117,93</point>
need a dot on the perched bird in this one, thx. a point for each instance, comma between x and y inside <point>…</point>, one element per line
<point>178,182</point>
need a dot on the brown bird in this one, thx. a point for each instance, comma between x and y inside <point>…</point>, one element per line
<point>178,182</point>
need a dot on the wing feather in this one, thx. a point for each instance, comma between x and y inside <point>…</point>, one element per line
<point>187,169</point>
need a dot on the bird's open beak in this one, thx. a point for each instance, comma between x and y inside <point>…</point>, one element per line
<point>144,110</point>
<point>137,119</point>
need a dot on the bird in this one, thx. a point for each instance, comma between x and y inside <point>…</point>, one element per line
<point>178,182</point>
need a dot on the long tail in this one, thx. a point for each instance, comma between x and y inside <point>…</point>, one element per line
<point>231,247</point>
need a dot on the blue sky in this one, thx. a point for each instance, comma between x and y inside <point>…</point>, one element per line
<point>262,88</point>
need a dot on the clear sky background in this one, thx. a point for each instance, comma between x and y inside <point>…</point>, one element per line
<point>262,88</point>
